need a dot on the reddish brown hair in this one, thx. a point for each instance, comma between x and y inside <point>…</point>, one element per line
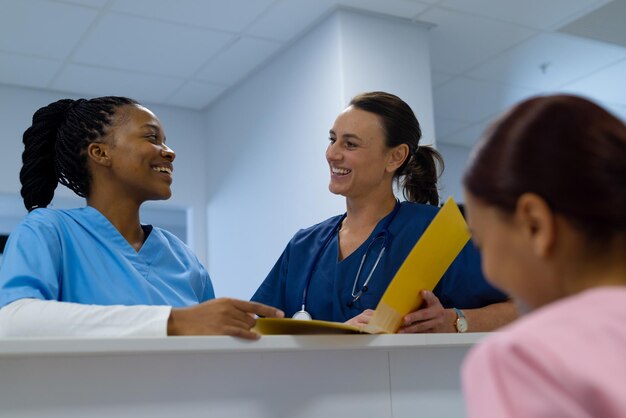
<point>564,148</point>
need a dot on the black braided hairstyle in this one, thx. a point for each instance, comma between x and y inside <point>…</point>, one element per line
<point>55,146</point>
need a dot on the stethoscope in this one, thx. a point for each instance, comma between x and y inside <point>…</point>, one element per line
<point>356,295</point>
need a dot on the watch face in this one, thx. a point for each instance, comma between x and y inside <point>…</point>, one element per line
<point>461,324</point>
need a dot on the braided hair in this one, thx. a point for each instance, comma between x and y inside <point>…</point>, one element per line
<point>55,146</point>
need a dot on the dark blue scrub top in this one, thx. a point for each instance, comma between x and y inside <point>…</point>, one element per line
<point>330,290</point>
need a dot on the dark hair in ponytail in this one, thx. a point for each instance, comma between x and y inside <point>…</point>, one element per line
<point>55,145</point>
<point>418,174</point>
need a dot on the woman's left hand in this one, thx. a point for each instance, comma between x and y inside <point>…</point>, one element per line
<point>361,319</point>
<point>430,317</point>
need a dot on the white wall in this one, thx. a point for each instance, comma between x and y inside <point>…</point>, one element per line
<point>267,172</point>
<point>455,159</point>
<point>185,134</point>
<point>389,54</point>
<point>268,176</point>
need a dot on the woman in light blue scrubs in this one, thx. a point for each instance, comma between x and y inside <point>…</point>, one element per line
<point>339,269</point>
<point>96,270</point>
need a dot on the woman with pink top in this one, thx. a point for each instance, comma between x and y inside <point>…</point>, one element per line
<point>546,204</point>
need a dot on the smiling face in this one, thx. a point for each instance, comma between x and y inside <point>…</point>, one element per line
<point>359,160</point>
<point>140,163</point>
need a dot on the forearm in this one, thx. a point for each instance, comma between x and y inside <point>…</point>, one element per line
<point>487,318</point>
<point>44,318</point>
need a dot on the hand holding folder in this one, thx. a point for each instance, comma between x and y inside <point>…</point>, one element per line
<point>440,243</point>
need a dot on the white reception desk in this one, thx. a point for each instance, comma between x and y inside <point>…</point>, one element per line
<point>277,376</point>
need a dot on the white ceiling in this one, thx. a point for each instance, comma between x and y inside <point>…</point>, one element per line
<point>486,54</point>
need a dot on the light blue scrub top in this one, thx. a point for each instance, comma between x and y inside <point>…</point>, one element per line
<point>330,290</point>
<point>77,255</point>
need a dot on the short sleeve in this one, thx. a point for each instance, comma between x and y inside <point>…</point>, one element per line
<point>31,262</point>
<point>272,290</point>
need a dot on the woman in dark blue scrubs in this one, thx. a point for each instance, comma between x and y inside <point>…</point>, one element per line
<point>339,269</point>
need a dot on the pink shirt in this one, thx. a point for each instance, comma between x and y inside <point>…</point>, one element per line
<point>567,359</point>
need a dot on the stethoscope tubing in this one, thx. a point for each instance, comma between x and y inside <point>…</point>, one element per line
<point>384,233</point>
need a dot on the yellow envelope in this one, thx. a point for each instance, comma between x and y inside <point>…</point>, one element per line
<point>429,259</point>
<point>427,262</point>
<point>288,326</point>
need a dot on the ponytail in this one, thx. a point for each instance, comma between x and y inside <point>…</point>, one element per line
<point>38,174</point>
<point>420,174</point>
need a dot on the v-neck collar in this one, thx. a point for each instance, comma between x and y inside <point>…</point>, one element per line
<point>368,240</point>
<point>102,224</point>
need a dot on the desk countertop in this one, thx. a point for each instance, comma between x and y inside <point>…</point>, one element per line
<point>26,347</point>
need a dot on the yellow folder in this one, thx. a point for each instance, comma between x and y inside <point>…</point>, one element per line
<point>429,259</point>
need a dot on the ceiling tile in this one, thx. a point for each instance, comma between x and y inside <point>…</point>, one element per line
<point>548,61</point>
<point>461,41</point>
<point>27,71</point>
<point>472,101</point>
<point>231,15</point>
<point>42,28</point>
<point>607,85</point>
<point>93,81</point>
<point>439,78</point>
<point>175,42</point>
<point>196,95</point>
<point>136,44</point>
<point>605,24</point>
<point>539,14</point>
<point>287,19</point>
<point>240,59</point>
<point>399,8</point>
<point>96,4</point>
